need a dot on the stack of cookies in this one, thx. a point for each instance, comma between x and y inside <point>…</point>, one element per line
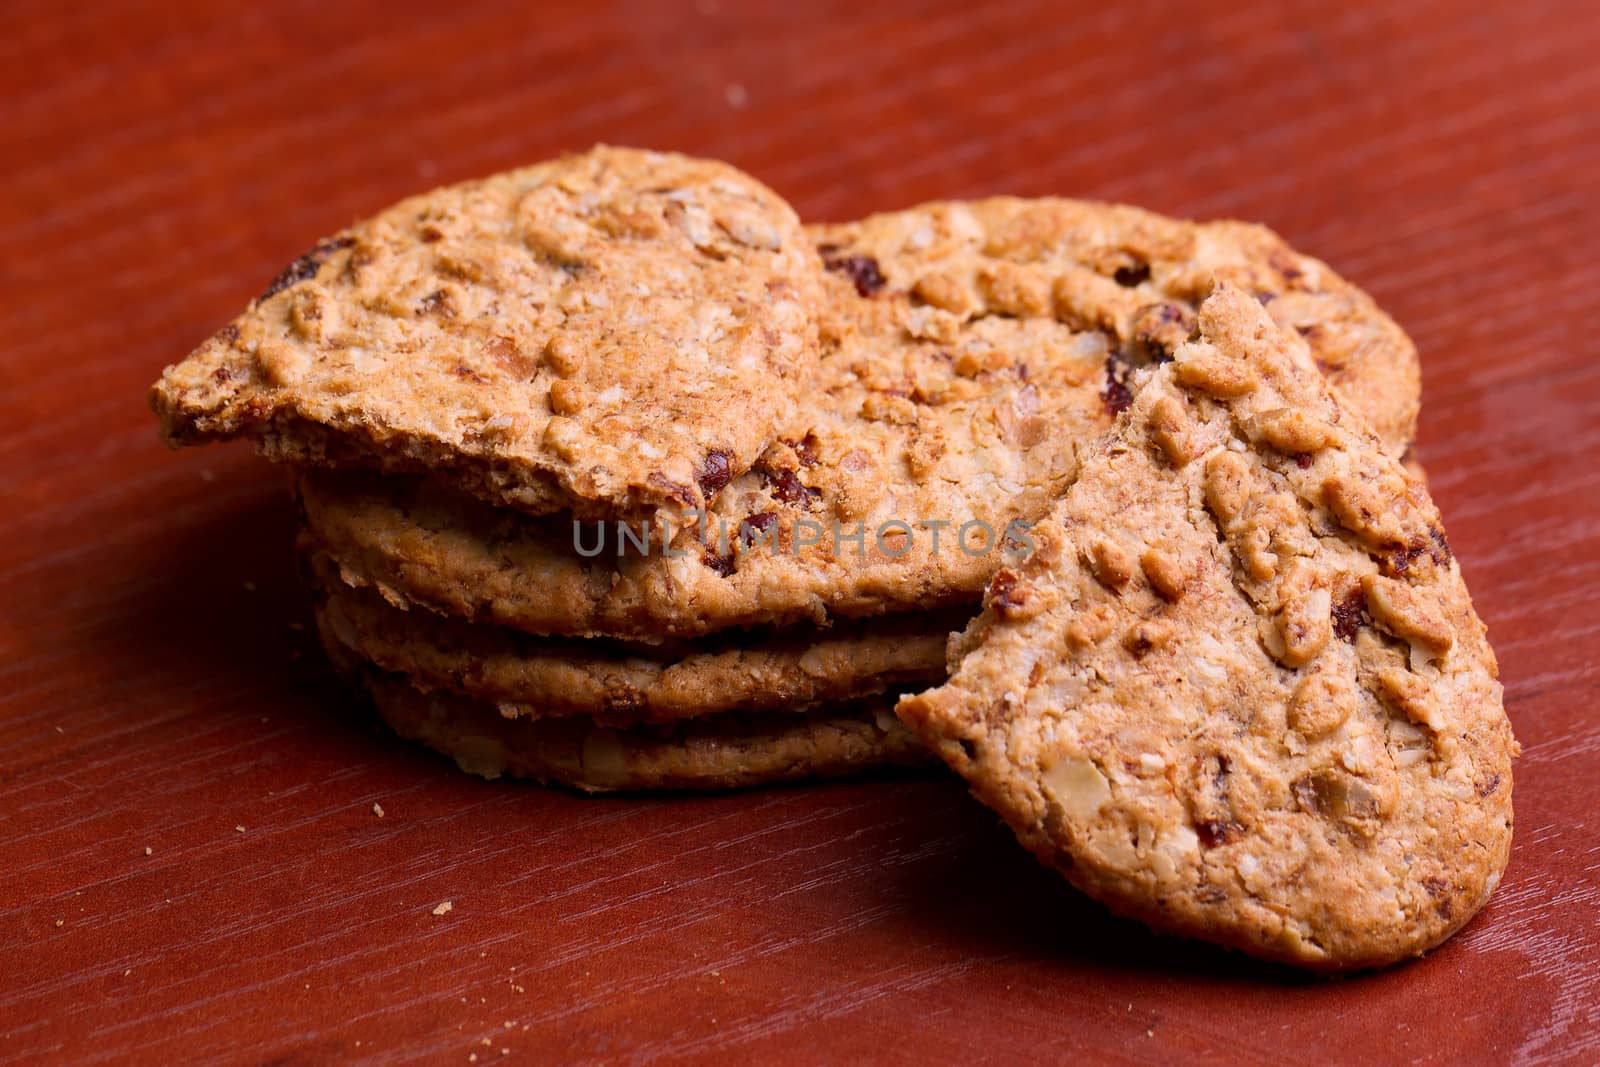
<point>613,474</point>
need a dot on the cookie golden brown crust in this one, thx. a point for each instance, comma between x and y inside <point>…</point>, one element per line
<point>541,677</point>
<point>970,351</point>
<point>1239,691</point>
<point>606,333</point>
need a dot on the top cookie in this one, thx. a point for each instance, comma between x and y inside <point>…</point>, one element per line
<point>970,350</point>
<point>606,333</point>
<point>1239,691</point>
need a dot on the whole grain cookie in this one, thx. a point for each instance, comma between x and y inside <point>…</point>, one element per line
<point>608,332</point>
<point>970,351</point>
<point>540,677</point>
<point>728,751</point>
<point>1239,690</point>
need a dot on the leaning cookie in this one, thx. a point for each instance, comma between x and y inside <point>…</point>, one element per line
<point>606,333</point>
<point>1239,691</point>
<point>971,351</point>
<point>728,751</point>
<point>540,677</point>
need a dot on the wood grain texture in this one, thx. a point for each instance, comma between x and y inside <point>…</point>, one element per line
<point>160,692</point>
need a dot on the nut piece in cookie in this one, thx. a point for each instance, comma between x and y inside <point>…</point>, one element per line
<point>609,332</point>
<point>1304,755</point>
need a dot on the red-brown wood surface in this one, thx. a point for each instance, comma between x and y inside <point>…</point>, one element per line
<point>190,861</point>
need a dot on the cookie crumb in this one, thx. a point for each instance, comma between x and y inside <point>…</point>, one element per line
<point>148,851</point>
<point>239,829</point>
<point>377,809</point>
<point>444,908</point>
<point>61,922</point>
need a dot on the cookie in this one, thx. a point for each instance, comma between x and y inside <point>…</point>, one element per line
<point>728,751</point>
<point>970,351</point>
<point>606,333</point>
<point>538,677</point>
<point>1132,275</point>
<point>1239,691</point>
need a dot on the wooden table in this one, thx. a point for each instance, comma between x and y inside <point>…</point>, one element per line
<point>191,861</point>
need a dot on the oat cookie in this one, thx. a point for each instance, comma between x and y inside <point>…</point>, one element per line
<point>608,332</point>
<point>540,677</point>
<point>728,751</point>
<point>969,352</point>
<point>1239,691</point>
